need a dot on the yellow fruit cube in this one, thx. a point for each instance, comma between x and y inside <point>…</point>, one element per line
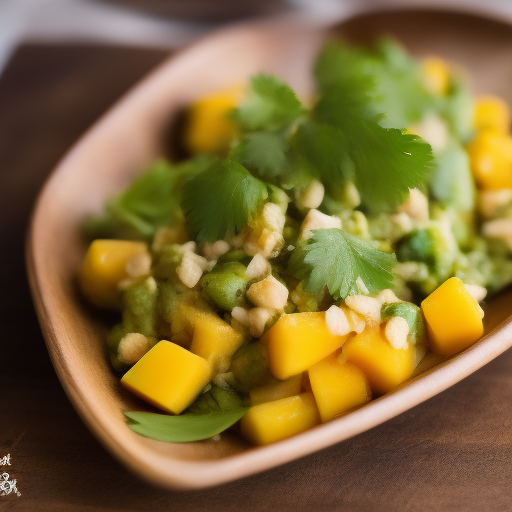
<point>276,390</point>
<point>338,386</point>
<point>436,75</point>
<point>209,129</point>
<point>492,113</point>
<point>273,421</point>
<point>168,376</point>
<point>453,316</point>
<point>297,341</point>
<point>490,156</point>
<point>104,267</point>
<point>385,367</point>
<point>215,340</point>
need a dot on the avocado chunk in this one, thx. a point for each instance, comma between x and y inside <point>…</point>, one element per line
<point>140,307</point>
<point>430,246</point>
<point>250,365</point>
<point>216,399</point>
<point>412,314</point>
<point>225,285</point>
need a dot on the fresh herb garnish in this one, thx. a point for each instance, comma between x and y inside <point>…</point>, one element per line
<point>152,200</point>
<point>270,104</point>
<point>220,201</point>
<point>262,152</point>
<point>184,428</point>
<point>336,259</point>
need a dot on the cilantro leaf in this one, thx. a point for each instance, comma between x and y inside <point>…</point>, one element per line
<point>270,104</point>
<point>324,149</point>
<point>336,259</point>
<point>152,200</point>
<point>400,93</point>
<point>220,201</point>
<point>263,152</point>
<point>388,163</point>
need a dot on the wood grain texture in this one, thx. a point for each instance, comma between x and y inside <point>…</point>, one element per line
<point>450,453</point>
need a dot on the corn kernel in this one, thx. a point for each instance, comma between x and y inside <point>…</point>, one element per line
<point>453,316</point>
<point>168,376</point>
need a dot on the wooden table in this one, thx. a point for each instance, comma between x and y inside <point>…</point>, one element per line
<point>452,453</point>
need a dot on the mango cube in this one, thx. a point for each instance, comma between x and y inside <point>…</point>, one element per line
<point>168,376</point>
<point>453,316</point>
<point>276,390</point>
<point>436,75</point>
<point>209,128</point>
<point>338,386</point>
<point>273,421</point>
<point>215,340</point>
<point>104,267</point>
<point>492,113</point>
<point>490,156</point>
<point>297,341</point>
<point>385,367</point>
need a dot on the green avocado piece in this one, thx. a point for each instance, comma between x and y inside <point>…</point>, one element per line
<point>225,285</point>
<point>216,399</point>
<point>412,314</point>
<point>250,365</point>
<point>427,245</point>
<point>140,307</point>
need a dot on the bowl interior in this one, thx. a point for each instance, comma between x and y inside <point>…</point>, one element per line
<point>132,135</point>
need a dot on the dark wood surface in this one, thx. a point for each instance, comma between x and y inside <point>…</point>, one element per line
<point>452,453</point>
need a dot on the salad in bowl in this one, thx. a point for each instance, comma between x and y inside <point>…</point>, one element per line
<point>307,253</point>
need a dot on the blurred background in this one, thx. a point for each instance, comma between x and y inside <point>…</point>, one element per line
<point>172,24</point>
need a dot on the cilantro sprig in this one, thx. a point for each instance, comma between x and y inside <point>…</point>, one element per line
<point>270,104</point>
<point>220,201</point>
<point>335,259</point>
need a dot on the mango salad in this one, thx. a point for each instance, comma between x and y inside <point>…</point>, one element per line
<point>309,252</point>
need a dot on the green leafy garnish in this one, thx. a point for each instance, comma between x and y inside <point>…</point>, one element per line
<point>221,200</point>
<point>262,152</point>
<point>270,104</point>
<point>184,428</point>
<point>336,259</point>
<point>323,150</point>
<point>152,200</point>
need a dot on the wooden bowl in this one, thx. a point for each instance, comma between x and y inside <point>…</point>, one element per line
<point>130,136</point>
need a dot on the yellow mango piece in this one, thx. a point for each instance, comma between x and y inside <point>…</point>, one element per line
<point>490,156</point>
<point>384,366</point>
<point>338,386</point>
<point>168,376</point>
<point>297,341</point>
<point>492,113</point>
<point>104,267</point>
<point>276,390</point>
<point>215,340</point>
<point>272,421</point>
<point>453,316</point>
<point>436,75</point>
<point>209,129</point>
